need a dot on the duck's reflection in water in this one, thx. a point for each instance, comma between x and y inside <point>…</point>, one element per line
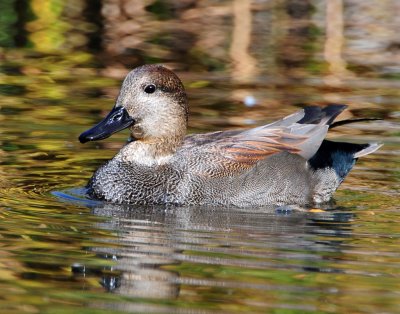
<point>151,239</point>
<point>145,244</point>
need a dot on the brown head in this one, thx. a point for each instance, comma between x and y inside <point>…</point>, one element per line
<point>152,103</point>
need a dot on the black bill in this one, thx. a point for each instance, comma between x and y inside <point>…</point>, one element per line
<point>117,120</point>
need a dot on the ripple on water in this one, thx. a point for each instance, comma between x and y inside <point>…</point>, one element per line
<point>58,247</point>
<point>60,251</point>
<point>72,249</point>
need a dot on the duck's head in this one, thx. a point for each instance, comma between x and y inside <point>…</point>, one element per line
<point>152,103</point>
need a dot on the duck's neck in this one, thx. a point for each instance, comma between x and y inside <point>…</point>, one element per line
<point>149,152</point>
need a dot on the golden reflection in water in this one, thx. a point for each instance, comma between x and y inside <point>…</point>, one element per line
<point>46,31</point>
<point>58,25</point>
<point>334,44</point>
<point>243,64</point>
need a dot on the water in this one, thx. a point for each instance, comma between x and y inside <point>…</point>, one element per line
<point>62,253</point>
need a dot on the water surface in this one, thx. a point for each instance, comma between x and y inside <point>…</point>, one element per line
<point>61,67</point>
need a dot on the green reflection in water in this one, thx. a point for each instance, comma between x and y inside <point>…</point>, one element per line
<point>8,19</point>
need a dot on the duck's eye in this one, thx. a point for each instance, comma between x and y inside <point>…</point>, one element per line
<point>150,89</point>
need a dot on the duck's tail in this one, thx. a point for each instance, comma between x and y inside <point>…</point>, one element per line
<point>333,160</point>
<point>340,156</point>
<point>315,115</point>
<point>331,164</point>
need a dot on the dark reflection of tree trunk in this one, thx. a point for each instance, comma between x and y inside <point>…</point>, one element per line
<point>93,15</point>
<point>21,8</point>
<point>300,32</point>
<point>14,15</point>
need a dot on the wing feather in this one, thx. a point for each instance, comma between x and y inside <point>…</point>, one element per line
<point>242,149</point>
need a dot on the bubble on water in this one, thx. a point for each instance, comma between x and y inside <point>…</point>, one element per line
<point>250,101</point>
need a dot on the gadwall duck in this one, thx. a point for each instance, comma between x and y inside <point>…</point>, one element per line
<point>286,162</point>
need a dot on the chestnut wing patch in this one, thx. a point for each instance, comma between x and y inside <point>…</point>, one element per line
<point>227,152</point>
<point>252,145</point>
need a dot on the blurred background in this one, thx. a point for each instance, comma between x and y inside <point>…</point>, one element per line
<point>262,54</point>
<point>243,63</point>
